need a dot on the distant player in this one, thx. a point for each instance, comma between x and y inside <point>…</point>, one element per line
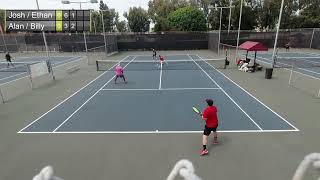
<point>154,54</point>
<point>162,60</point>
<point>8,59</point>
<point>210,116</point>
<point>287,46</point>
<point>119,73</point>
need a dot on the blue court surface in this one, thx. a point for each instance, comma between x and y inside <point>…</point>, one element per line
<point>159,101</point>
<point>307,63</point>
<point>7,77</point>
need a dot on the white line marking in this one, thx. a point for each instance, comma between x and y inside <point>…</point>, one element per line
<point>89,98</point>
<point>54,66</point>
<point>68,97</point>
<point>288,69</point>
<point>162,89</point>
<point>159,132</point>
<point>227,95</point>
<point>14,80</point>
<point>65,62</point>
<point>160,76</point>
<point>253,96</point>
<point>304,69</point>
<point>13,76</point>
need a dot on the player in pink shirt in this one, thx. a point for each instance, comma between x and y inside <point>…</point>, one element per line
<point>162,60</point>
<point>119,73</point>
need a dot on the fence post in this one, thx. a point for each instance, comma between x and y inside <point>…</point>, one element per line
<point>86,46</point>
<point>311,41</point>
<point>4,42</point>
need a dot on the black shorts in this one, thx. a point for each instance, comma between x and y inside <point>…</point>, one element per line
<point>121,76</point>
<point>207,130</point>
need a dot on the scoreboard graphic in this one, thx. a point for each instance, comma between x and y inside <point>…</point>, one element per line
<point>48,20</point>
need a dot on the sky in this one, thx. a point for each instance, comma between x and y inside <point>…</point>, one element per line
<point>120,6</point>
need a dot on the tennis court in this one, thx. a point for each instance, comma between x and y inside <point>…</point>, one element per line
<point>20,69</point>
<point>159,101</point>
<point>305,63</point>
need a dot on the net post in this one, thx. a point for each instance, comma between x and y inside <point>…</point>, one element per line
<point>226,61</point>
<point>97,65</point>
<point>291,72</point>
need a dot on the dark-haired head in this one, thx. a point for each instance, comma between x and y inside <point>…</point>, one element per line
<point>209,102</point>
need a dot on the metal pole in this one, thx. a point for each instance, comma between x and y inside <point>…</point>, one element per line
<point>18,47</point>
<point>239,28</point>
<point>94,25</point>
<point>85,45</point>
<point>230,11</point>
<point>276,40</point>
<point>46,46</point>
<point>4,42</point>
<point>80,5</point>
<point>104,34</point>
<point>37,4</point>
<point>220,31</point>
<point>312,38</point>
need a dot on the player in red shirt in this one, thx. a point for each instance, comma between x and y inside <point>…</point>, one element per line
<point>210,116</point>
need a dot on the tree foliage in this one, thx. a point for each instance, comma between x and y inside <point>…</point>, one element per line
<point>187,19</point>
<point>138,19</point>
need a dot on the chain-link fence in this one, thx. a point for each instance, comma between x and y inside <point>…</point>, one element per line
<point>163,41</point>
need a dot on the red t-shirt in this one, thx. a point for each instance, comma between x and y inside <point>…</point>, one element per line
<point>161,58</point>
<point>210,113</point>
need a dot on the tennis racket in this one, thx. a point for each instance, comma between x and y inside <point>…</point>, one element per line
<point>196,110</point>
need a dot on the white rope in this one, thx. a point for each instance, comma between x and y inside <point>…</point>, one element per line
<point>46,174</point>
<point>185,169</point>
<point>312,160</point>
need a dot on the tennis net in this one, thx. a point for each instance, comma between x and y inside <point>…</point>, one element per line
<point>297,62</point>
<point>189,64</point>
<point>16,66</point>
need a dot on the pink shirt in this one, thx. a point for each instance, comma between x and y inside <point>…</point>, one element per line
<point>119,70</point>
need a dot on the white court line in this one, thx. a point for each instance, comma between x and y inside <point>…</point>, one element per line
<point>90,98</point>
<point>12,76</point>
<point>162,89</point>
<point>228,95</point>
<point>253,96</point>
<point>160,76</point>
<point>164,55</point>
<point>157,132</point>
<point>61,64</point>
<point>69,97</point>
<point>304,69</point>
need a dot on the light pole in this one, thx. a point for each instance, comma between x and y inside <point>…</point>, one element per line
<point>239,28</point>
<point>104,31</point>
<point>278,27</point>
<point>221,8</point>
<point>78,2</point>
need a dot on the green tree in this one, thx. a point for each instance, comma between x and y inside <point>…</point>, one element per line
<point>138,19</point>
<point>214,15</point>
<point>160,9</point>
<point>187,19</point>
<point>122,26</point>
<point>109,17</point>
<point>249,16</point>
